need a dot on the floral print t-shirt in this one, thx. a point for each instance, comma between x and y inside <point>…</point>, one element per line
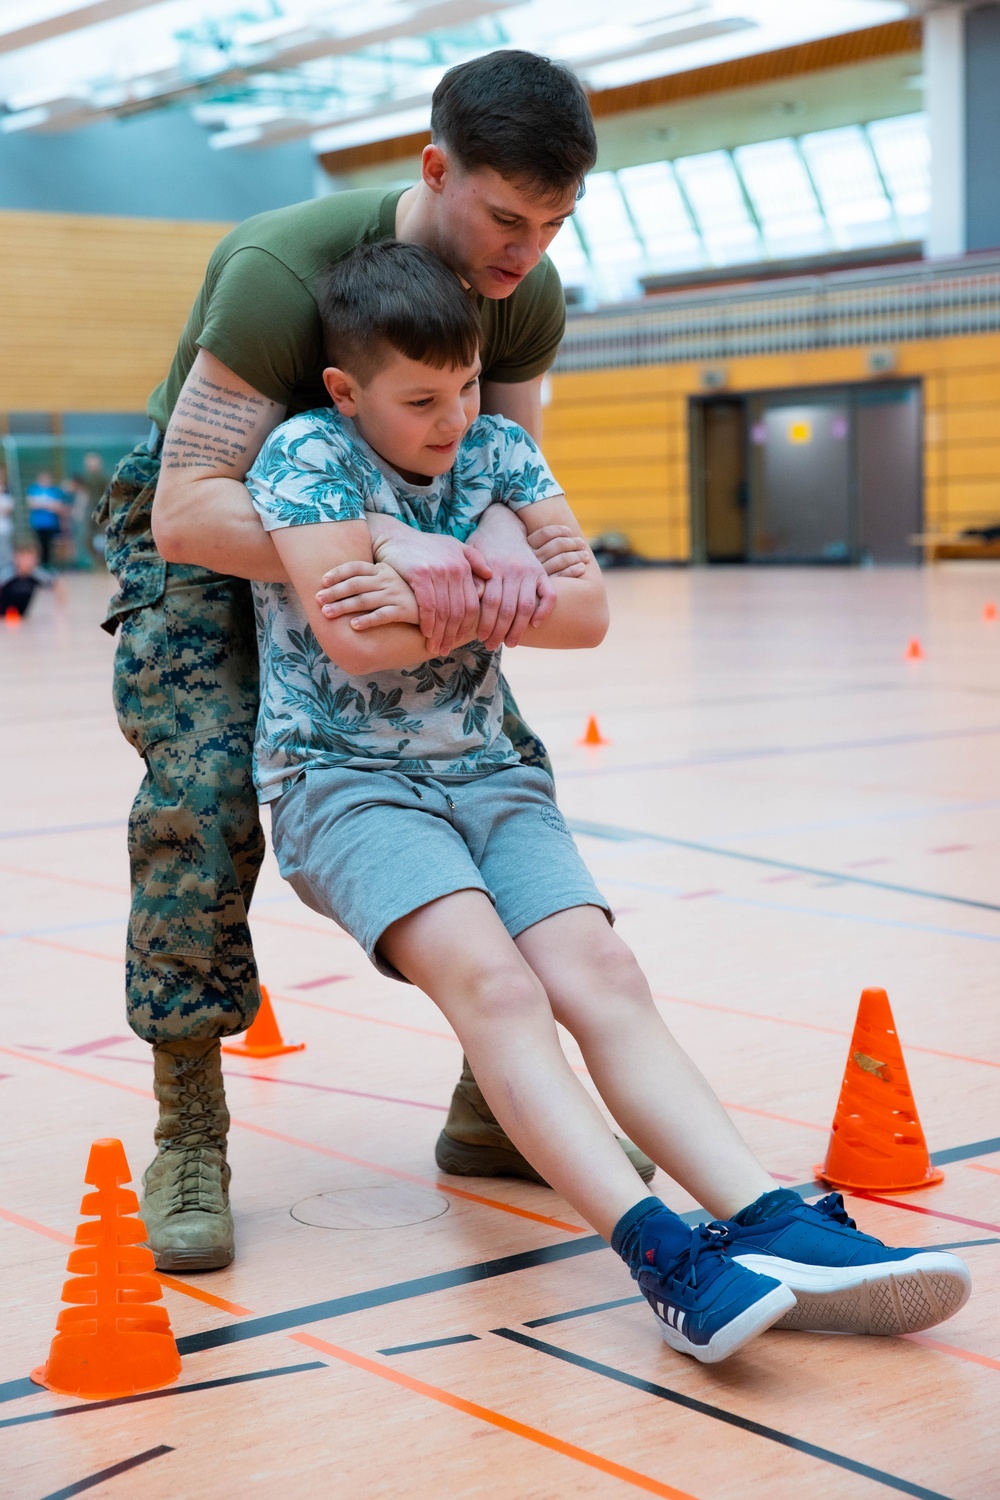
<point>442,718</point>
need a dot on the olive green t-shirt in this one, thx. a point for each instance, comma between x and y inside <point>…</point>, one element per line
<point>257,314</point>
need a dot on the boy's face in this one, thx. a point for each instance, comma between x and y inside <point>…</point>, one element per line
<point>489,231</point>
<point>25,561</point>
<point>412,415</point>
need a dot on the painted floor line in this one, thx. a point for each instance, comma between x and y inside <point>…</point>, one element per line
<point>171,1390</point>
<point>627,835</point>
<point>719,1414</point>
<point>497,1419</point>
<point>111,1473</point>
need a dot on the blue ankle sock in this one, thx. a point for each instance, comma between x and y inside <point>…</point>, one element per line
<point>649,1234</point>
<point>767,1206</point>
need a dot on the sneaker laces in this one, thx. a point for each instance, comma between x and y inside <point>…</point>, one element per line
<point>704,1259</point>
<point>832,1207</point>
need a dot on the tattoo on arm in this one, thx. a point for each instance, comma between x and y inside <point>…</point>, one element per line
<point>214,427</point>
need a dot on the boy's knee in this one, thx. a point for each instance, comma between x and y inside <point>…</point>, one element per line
<point>507,994</point>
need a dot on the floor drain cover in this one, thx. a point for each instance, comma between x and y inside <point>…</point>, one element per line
<point>384,1207</point>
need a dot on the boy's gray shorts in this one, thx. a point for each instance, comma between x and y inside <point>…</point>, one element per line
<point>369,847</point>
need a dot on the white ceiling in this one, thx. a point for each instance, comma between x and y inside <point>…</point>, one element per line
<point>260,72</point>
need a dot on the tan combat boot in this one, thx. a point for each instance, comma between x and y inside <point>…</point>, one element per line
<point>473,1143</point>
<point>185,1197</point>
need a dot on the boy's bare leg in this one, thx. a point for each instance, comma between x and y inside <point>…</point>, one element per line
<point>458,951</point>
<point>652,1088</point>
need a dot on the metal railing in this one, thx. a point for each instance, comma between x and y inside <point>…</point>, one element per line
<point>878,306</point>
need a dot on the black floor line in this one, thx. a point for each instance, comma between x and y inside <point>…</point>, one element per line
<point>963,1153</point>
<point>838,1460</point>
<point>770,752</point>
<point>581,1312</point>
<point>169,1390</point>
<point>623,835</point>
<point>14,1390</point>
<point>400,1291</point>
<point>458,1338</point>
<point>115,1469</point>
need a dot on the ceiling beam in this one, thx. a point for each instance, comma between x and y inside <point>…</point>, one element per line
<point>69,20</point>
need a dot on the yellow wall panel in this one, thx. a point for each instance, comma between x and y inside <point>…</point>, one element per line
<point>93,307</point>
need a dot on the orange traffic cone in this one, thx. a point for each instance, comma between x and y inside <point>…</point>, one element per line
<point>12,617</point>
<point>117,1343</point>
<point>914,651</point>
<point>989,613</point>
<point>877,1143</point>
<point>264,1038</point>
<point>592,735</point>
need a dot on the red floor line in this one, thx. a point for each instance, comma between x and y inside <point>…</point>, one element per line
<point>753,1015</point>
<point>495,1419</point>
<point>291,1140</point>
<point>356,1015</point>
<point>916,1208</point>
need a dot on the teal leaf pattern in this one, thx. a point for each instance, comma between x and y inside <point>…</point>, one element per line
<point>442,718</point>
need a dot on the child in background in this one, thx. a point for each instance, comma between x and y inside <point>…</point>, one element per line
<point>400,809</point>
<point>20,581</point>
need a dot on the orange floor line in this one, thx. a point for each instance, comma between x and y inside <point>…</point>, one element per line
<point>292,1140</point>
<point>90,885</point>
<point>39,942</point>
<point>427,1182</point>
<point>976,1166</point>
<point>171,1281</point>
<point>755,1015</point>
<point>966,1354</point>
<point>496,1419</point>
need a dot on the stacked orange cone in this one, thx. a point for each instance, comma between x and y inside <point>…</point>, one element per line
<point>877,1143</point>
<point>264,1038</point>
<point>116,1343</point>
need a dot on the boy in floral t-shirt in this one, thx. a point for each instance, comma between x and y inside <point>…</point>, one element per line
<point>401,810</point>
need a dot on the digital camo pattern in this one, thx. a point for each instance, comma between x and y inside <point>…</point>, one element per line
<point>443,718</point>
<point>185,688</point>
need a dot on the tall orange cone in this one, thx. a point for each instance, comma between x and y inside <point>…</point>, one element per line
<point>914,651</point>
<point>592,734</point>
<point>264,1039</point>
<point>876,1142</point>
<point>117,1343</point>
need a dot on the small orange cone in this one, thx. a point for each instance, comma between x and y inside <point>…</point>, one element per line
<point>914,651</point>
<point>592,734</point>
<point>117,1343</point>
<point>989,613</point>
<point>12,617</point>
<point>877,1143</point>
<point>263,1039</point>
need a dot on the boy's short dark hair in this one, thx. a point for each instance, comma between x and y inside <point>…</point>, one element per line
<point>523,115</point>
<point>394,296</point>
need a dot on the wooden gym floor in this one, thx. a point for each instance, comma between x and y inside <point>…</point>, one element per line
<point>788,811</point>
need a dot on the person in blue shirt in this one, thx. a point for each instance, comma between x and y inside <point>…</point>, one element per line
<point>47,505</point>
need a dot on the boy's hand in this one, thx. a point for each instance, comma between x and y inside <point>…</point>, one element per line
<point>372,593</point>
<point>560,551</point>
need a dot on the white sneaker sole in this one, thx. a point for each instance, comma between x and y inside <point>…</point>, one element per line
<point>762,1315</point>
<point>888,1298</point>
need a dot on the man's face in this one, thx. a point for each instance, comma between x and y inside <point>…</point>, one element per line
<point>412,415</point>
<point>491,232</point>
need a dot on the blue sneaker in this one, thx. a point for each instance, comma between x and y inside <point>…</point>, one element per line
<point>845,1281</point>
<point>707,1306</point>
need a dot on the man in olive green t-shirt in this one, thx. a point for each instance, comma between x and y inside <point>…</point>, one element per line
<point>513,141</point>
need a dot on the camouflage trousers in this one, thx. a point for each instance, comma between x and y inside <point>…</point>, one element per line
<point>186,693</point>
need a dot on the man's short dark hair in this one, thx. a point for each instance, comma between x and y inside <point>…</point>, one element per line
<point>523,115</point>
<point>393,296</point>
